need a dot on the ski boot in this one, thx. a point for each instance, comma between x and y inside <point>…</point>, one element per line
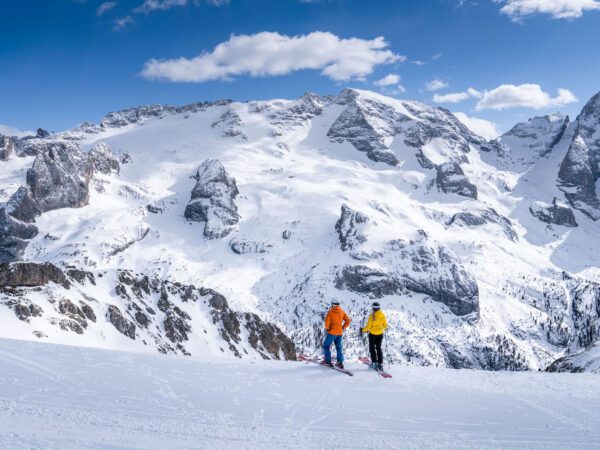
<point>340,365</point>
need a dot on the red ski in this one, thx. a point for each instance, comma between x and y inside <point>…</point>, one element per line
<point>321,363</point>
<point>367,361</point>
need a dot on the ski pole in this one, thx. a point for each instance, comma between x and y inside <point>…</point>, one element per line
<point>318,344</point>
<point>387,351</point>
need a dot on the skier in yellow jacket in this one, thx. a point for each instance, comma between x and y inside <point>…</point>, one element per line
<point>376,326</point>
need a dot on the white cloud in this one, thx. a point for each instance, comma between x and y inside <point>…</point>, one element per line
<point>418,62</point>
<point>474,93</point>
<point>436,56</point>
<point>558,9</point>
<point>268,54</point>
<point>153,5</point>
<point>7,130</point>
<point>388,80</point>
<point>482,127</point>
<point>122,22</point>
<point>451,98</point>
<point>524,96</point>
<point>104,7</point>
<point>456,97</point>
<point>435,85</point>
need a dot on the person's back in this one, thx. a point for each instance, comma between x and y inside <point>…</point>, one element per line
<point>376,326</point>
<point>336,321</point>
<point>377,323</point>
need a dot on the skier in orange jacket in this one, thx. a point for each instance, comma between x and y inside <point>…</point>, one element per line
<point>336,321</point>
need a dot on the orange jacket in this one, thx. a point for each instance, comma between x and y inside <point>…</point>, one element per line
<point>334,319</point>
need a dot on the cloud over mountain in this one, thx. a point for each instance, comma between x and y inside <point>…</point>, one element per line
<point>525,96</point>
<point>270,53</point>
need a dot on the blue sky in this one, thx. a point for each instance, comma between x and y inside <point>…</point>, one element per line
<point>64,61</point>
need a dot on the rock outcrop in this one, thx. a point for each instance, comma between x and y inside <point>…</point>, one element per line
<point>482,218</point>
<point>213,200</point>
<point>103,159</point>
<point>139,114</point>
<point>580,170</point>
<point>42,134</point>
<point>417,266</point>
<point>26,274</point>
<point>297,112</point>
<point>558,213</point>
<point>7,148</point>
<point>230,124</point>
<point>59,178</point>
<point>353,126</point>
<point>586,360</point>
<point>351,228</point>
<point>526,142</point>
<point>124,326</point>
<point>14,237</point>
<point>452,179</point>
<point>242,247</point>
<point>148,310</point>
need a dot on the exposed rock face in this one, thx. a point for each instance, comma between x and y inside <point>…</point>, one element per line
<point>559,213</point>
<point>31,274</point>
<point>32,146</point>
<point>432,270</point>
<point>526,142</point>
<point>351,228</point>
<point>7,148</point>
<point>451,179</point>
<point>139,114</point>
<point>25,310</point>
<point>298,113</point>
<point>242,247</point>
<point>353,126</point>
<point>14,237</point>
<point>59,178</point>
<point>134,115</point>
<point>124,326</point>
<point>264,337</point>
<point>42,134</point>
<point>230,124</point>
<point>580,170</point>
<point>370,281</point>
<point>484,217</point>
<point>586,360</point>
<point>213,200</point>
<point>103,159</point>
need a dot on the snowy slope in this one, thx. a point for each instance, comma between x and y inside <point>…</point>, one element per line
<point>467,275</point>
<point>586,360</point>
<point>66,397</point>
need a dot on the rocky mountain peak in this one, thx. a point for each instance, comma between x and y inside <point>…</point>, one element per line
<point>591,110</point>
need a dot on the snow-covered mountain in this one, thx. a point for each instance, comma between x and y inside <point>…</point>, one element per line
<point>221,228</point>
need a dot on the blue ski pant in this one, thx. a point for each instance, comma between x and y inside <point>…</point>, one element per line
<point>330,339</point>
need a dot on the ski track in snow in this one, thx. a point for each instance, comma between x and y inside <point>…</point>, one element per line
<point>55,396</point>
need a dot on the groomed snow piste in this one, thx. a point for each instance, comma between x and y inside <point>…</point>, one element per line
<point>61,397</point>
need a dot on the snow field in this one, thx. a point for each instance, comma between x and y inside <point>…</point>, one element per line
<point>60,397</point>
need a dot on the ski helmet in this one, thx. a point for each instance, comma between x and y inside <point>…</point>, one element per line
<point>335,302</point>
<point>376,306</point>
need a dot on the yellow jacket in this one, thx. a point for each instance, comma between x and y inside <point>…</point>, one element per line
<point>376,324</point>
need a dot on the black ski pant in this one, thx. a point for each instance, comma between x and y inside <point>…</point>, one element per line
<point>375,341</point>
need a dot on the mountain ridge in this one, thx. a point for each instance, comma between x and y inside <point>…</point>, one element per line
<point>460,245</point>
